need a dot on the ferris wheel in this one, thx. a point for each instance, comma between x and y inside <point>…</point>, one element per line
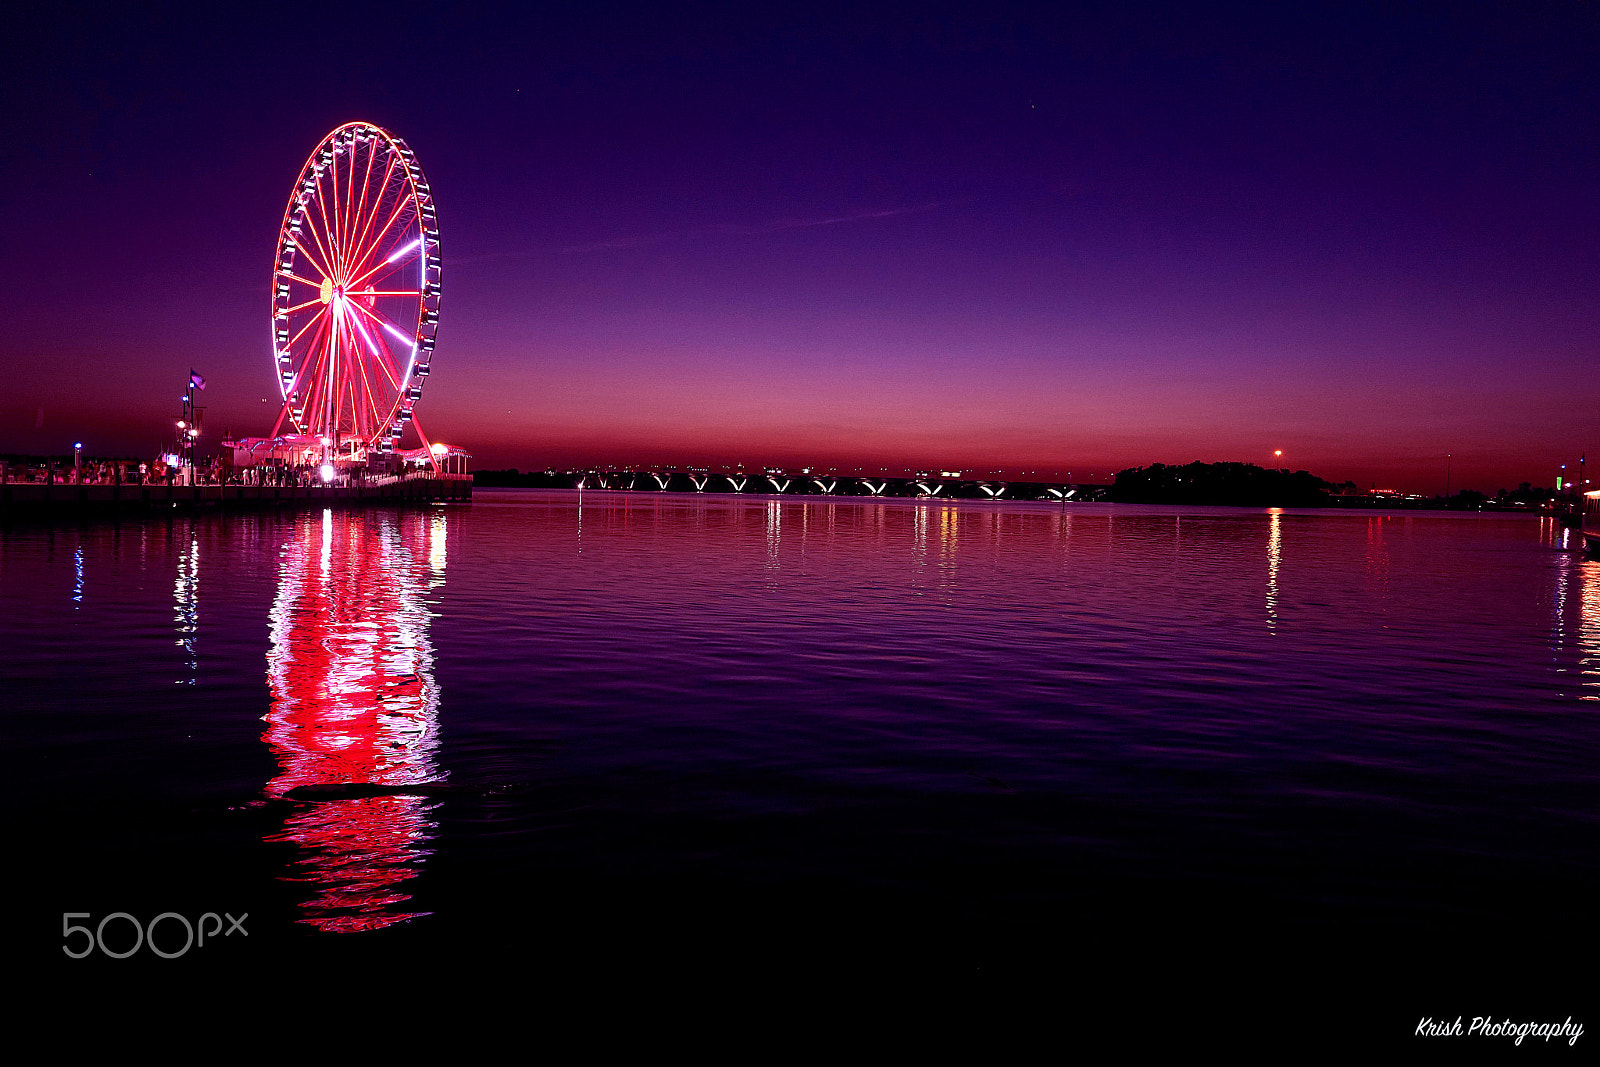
<point>355,294</point>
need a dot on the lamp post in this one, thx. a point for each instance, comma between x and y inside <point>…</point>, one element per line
<point>77,463</point>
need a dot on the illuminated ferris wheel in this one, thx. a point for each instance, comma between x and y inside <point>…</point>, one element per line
<point>355,293</point>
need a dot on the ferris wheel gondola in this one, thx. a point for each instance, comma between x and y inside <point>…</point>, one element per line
<point>355,294</point>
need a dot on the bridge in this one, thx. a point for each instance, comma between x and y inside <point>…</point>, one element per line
<point>806,482</point>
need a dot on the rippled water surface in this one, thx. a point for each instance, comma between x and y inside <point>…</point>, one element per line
<point>1085,748</point>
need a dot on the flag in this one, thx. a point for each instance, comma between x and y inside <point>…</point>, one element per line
<point>196,380</point>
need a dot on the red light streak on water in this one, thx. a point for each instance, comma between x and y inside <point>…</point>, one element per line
<point>354,703</point>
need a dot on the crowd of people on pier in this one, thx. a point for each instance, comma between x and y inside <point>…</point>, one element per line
<point>85,472</point>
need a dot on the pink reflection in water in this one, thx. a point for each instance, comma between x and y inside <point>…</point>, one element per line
<point>354,703</point>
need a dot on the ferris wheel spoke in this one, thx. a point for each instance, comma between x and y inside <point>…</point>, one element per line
<point>322,347</point>
<point>341,378</point>
<point>329,206</point>
<point>301,307</point>
<point>381,356</point>
<point>374,245</point>
<point>389,364</point>
<point>317,358</point>
<point>333,207</point>
<point>386,363</point>
<point>333,222</point>
<point>387,267</point>
<point>376,351</point>
<point>316,236</point>
<point>349,194</point>
<point>306,365</point>
<point>356,204</point>
<point>320,317</point>
<point>332,246</point>
<point>367,216</point>
<point>361,205</point>
<point>381,320</point>
<point>352,207</point>
<point>336,379</point>
<point>362,330</point>
<point>303,281</point>
<point>372,401</point>
<point>312,259</point>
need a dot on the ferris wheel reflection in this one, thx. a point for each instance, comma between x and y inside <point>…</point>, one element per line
<point>354,713</point>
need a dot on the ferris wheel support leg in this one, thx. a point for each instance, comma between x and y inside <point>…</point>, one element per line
<point>281,413</point>
<point>433,460</point>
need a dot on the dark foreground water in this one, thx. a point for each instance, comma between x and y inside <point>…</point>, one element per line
<point>1198,771</point>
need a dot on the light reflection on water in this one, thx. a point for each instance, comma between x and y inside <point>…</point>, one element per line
<point>186,605</point>
<point>354,701</point>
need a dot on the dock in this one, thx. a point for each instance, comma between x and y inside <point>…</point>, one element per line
<point>39,500</point>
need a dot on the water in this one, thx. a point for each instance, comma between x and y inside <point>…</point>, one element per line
<point>1143,760</point>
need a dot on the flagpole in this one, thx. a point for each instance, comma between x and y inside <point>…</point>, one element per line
<point>187,426</point>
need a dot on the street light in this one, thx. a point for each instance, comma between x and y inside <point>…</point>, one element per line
<point>77,462</point>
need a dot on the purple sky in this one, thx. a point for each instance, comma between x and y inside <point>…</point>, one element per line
<point>1074,237</point>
